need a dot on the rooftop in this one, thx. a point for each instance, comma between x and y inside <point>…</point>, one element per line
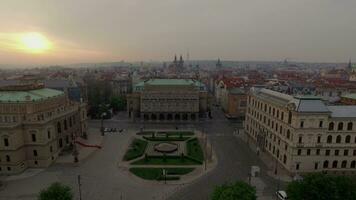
<point>30,95</point>
<point>350,96</point>
<point>170,82</point>
<point>343,111</point>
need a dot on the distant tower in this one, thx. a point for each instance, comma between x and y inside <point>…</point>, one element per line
<point>349,66</point>
<point>175,62</point>
<point>181,62</point>
<point>218,64</point>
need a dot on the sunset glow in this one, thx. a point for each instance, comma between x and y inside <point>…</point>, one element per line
<point>34,43</point>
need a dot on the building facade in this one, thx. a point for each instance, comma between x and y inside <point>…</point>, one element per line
<point>302,134</point>
<point>36,124</point>
<point>168,100</point>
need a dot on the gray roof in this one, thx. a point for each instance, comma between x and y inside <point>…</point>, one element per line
<point>59,83</point>
<point>343,111</point>
<point>237,91</point>
<point>302,103</point>
<point>311,105</point>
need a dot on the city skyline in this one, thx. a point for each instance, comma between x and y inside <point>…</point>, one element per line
<point>88,31</point>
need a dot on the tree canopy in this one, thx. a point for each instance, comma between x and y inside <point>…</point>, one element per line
<point>234,191</point>
<point>56,191</point>
<point>319,186</point>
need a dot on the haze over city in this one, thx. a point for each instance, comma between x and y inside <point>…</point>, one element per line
<point>139,30</point>
<point>177,100</point>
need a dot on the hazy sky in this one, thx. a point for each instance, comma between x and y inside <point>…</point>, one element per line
<point>135,30</point>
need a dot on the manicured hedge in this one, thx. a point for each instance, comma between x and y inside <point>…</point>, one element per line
<point>160,138</point>
<point>167,160</point>
<point>157,173</point>
<point>137,149</point>
<point>194,150</point>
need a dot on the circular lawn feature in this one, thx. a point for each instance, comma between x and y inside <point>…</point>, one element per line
<point>166,147</point>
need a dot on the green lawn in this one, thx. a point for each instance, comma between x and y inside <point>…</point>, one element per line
<point>194,150</point>
<point>160,138</point>
<point>136,149</point>
<point>169,160</point>
<point>157,173</point>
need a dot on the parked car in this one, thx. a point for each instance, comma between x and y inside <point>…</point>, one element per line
<point>281,195</point>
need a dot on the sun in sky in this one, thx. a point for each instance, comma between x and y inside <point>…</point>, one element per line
<point>34,42</point>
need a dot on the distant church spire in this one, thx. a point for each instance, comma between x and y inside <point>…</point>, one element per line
<point>349,66</point>
<point>218,64</point>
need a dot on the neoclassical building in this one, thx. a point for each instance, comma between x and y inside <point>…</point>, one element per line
<point>302,134</point>
<point>168,100</point>
<point>36,124</point>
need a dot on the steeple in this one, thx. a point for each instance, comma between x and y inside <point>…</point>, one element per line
<point>175,59</point>
<point>181,61</point>
<point>349,66</point>
<point>218,64</point>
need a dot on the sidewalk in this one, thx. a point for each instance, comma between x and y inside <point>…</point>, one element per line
<point>267,159</point>
<point>94,138</point>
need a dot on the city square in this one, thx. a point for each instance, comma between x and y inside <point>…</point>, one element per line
<point>104,175</point>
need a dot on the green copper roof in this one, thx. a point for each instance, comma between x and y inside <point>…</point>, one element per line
<point>169,82</point>
<point>31,95</point>
<point>350,96</point>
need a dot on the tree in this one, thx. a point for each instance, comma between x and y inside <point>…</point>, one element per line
<point>118,103</point>
<point>56,191</point>
<point>235,191</point>
<point>319,186</point>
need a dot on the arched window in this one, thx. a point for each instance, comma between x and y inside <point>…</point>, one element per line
<point>59,127</point>
<point>349,126</point>
<point>338,139</point>
<point>340,126</point>
<point>335,164</point>
<point>343,164</point>
<point>331,126</point>
<point>348,139</point>
<point>326,164</point>
<point>329,139</point>
<point>353,164</point>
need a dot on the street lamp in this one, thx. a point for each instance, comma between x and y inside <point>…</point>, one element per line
<point>102,123</point>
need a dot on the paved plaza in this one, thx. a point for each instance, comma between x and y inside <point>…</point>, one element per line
<point>102,178</point>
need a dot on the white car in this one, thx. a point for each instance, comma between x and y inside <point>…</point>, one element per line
<point>281,195</point>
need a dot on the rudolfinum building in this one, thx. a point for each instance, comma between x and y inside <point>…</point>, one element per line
<point>164,100</point>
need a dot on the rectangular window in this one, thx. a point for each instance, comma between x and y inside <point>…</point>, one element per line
<point>319,139</point>
<point>336,152</point>
<point>33,136</point>
<point>308,152</point>
<point>297,166</point>
<point>49,134</point>
<point>6,142</point>
<point>299,152</point>
<point>354,152</point>
<point>316,166</point>
<point>346,152</point>
<point>327,152</point>
<point>34,152</point>
<point>302,124</point>
<point>300,140</point>
<point>320,124</point>
<point>318,152</point>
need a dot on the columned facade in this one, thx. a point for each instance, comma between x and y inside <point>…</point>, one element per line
<point>169,100</point>
<point>169,117</point>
